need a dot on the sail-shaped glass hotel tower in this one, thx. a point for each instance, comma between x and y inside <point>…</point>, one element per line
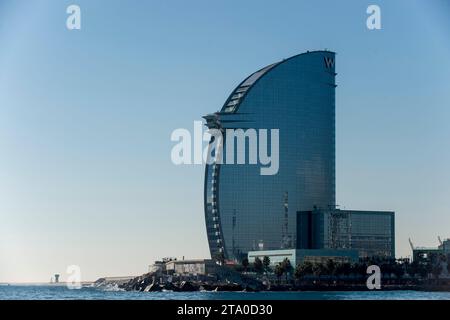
<point>245,210</point>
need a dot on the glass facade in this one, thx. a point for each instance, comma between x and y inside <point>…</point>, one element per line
<point>371,233</point>
<point>245,210</point>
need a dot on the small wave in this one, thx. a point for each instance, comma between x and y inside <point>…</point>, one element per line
<point>111,287</point>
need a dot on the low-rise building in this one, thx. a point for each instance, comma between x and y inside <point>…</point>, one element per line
<point>298,256</point>
<point>191,267</point>
<point>425,254</point>
<point>157,267</point>
<point>371,233</point>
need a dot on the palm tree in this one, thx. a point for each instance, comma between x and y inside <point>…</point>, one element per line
<point>331,267</point>
<point>362,269</point>
<point>266,262</point>
<point>399,271</point>
<point>287,267</point>
<point>307,267</point>
<point>303,269</point>
<point>413,268</point>
<point>436,271</point>
<point>258,265</point>
<point>318,269</point>
<point>424,270</point>
<point>245,263</point>
<point>387,268</point>
<point>220,257</point>
<point>278,271</point>
<point>343,269</point>
<point>299,272</point>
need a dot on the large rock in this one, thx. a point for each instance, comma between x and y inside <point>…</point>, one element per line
<point>170,286</point>
<point>154,287</point>
<point>229,287</point>
<point>187,286</point>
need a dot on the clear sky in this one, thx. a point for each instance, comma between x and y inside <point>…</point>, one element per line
<point>86,117</point>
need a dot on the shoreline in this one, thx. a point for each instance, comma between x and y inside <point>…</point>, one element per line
<point>148,283</point>
<point>280,290</point>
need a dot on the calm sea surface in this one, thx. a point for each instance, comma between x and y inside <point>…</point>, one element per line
<point>43,292</point>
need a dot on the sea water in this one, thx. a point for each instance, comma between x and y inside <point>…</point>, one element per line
<point>61,292</point>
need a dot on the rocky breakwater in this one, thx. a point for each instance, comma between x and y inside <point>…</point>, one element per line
<point>227,280</point>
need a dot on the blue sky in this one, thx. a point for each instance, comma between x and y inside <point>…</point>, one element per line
<point>86,118</point>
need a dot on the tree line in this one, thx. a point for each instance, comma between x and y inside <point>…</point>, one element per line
<point>433,266</point>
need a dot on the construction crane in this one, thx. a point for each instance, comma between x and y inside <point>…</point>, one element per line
<point>440,241</point>
<point>234,227</point>
<point>286,239</point>
<point>411,244</point>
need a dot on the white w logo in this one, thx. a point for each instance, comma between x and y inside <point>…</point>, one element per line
<point>329,62</point>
